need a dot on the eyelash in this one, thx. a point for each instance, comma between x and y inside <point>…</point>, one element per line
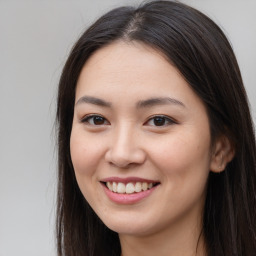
<point>161,118</point>
<point>93,117</point>
<point>167,120</point>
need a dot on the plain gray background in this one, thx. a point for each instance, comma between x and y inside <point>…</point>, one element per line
<point>35,39</point>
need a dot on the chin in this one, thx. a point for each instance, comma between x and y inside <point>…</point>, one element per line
<point>130,225</point>
<point>130,230</point>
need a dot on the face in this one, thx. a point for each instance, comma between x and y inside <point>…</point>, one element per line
<point>140,141</point>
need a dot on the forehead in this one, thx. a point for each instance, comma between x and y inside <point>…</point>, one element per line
<point>121,60</point>
<point>125,57</point>
<point>127,49</point>
<point>132,70</point>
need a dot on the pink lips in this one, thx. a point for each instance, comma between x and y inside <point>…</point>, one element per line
<point>127,198</point>
<point>129,179</point>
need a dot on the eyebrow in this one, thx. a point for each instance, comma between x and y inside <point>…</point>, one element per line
<point>159,101</point>
<point>141,104</point>
<point>94,101</point>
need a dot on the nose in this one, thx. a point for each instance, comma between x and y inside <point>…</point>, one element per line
<point>124,150</point>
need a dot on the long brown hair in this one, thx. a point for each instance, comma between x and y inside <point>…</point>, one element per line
<point>197,47</point>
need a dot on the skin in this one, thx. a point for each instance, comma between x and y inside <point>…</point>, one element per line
<point>125,142</point>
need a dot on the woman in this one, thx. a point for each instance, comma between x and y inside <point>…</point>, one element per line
<point>156,143</point>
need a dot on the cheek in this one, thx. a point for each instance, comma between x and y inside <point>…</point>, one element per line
<point>184,158</point>
<point>184,164</point>
<point>85,153</point>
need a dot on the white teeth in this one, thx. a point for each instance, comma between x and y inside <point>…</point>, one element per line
<point>138,187</point>
<point>114,187</point>
<point>109,185</point>
<point>144,186</point>
<point>120,188</point>
<point>129,188</point>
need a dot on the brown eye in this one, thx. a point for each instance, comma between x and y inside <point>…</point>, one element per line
<point>160,121</point>
<point>95,120</point>
<point>98,120</point>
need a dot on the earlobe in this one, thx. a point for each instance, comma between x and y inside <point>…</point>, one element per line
<point>223,152</point>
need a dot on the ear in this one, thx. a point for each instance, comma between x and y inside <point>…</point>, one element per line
<point>223,152</point>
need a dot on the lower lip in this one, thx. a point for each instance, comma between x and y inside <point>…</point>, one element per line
<point>128,198</point>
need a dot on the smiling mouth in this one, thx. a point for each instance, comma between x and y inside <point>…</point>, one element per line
<point>130,187</point>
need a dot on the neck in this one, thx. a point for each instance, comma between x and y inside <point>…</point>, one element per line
<point>182,240</point>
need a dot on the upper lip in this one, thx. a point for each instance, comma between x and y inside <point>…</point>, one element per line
<point>128,179</point>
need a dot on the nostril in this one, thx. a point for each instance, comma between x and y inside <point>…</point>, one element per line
<point>125,157</point>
